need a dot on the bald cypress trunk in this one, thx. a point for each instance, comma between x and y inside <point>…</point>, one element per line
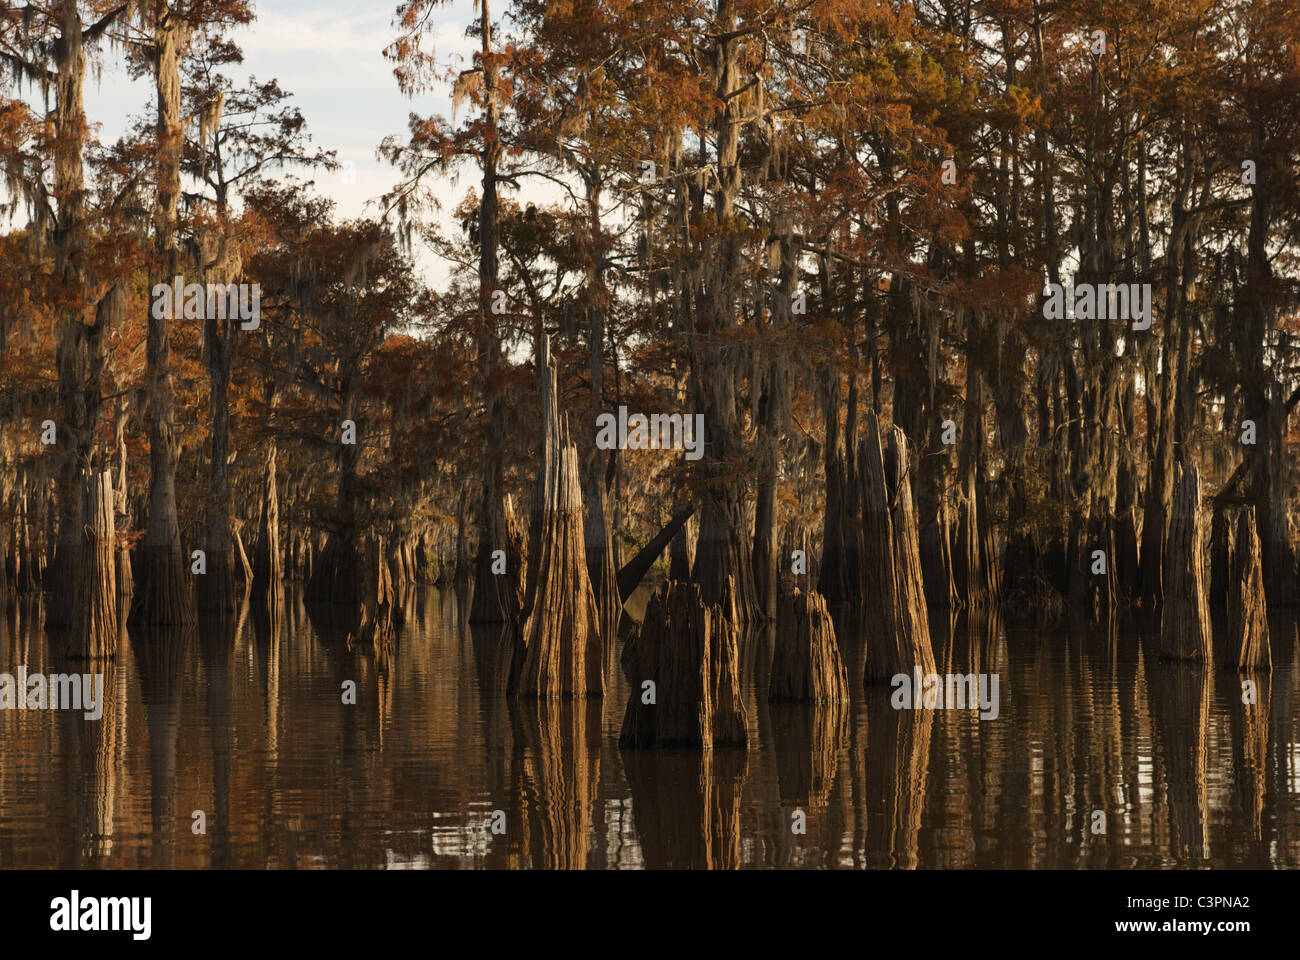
<point>971,576</point>
<point>559,651</point>
<point>463,559</point>
<point>806,664</point>
<point>896,626</point>
<point>268,574</point>
<point>1185,622</point>
<point>81,349</point>
<point>163,592</point>
<point>766,564</point>
<point>1248,641</point>
<point>909,587</point>
<point>1127,569</point>
<point>773,417</point>
<point>1221,571</point>
<point>217,589</point>
<point>600,465</point>
<point>376,599</point>
<point>122,509</point>
<point>497,596</point>
<point>598,528</point>
<point>723,554</point>
<point>833,581</point>
<point>1160,485</point>
<point>94,630</point>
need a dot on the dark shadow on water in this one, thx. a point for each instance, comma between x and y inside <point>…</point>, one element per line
<point>1180,705</point>
<point>362,674</point>
<point>686,806</point>
<point>219,636</point>
<point>161,655</point>
<point>245,717</point>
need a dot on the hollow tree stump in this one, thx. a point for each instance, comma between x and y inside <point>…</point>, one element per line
<point>1185,621</point>
<point>686,649</point>
<point>1248,643</point>
<point>560,648</point>
<point>806,664</point>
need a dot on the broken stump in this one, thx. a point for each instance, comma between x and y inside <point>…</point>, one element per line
<point>683,669</point>
<point>806,664</point>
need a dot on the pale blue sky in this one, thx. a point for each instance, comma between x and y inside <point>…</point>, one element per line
<point>329,55</point>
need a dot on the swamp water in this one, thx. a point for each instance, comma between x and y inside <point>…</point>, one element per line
<point>245,721</point>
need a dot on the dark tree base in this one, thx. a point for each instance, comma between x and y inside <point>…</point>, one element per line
<point>163,593</point>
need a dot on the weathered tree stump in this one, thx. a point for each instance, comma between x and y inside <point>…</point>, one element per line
<point>683,668</point>
<point>1185,621</point>
<point>806,664</point>
<point>560,642</point>
<point>893,592</point>
<point>883,657</point>
<point>1248,643</point>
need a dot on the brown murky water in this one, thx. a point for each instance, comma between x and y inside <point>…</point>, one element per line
<point>246,723</point>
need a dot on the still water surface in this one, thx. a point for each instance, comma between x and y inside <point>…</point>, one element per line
<point>245,722</point>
